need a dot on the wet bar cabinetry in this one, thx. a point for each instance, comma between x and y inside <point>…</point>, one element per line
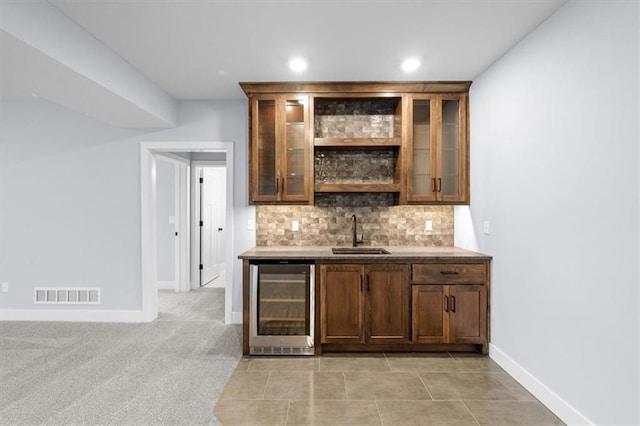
<point>411,299</point>
<point>437,149</point>
<point>364,303</point>
<point>357,143</point>
<point>404,306</point>
<point>450,303</point>
<point>406,139</point>
<point>280,154</point>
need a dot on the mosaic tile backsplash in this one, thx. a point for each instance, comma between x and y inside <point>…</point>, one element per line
<point>365,118</point>
<point>328,223</point>
<point>355,166</point>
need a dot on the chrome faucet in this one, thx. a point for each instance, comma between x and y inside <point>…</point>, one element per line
<point>354,228</point>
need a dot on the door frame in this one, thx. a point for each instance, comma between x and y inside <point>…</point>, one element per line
<point>149,152</point>
<point>195,205</point>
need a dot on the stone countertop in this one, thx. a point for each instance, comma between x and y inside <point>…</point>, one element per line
<point>395,253</point>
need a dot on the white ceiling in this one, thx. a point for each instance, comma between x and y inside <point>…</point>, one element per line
<point>201,49</point>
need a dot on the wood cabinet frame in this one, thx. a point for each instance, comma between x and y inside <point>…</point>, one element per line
<point>436,132</point>
<point>403,183</point>
<point>450,303</point>
<point>281,193</point>
<point>370,309</point>
<point>461,275</point>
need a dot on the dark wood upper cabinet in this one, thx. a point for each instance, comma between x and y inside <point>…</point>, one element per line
<point>406,138</point>
<point>280,152</point>
<point>437,149</point>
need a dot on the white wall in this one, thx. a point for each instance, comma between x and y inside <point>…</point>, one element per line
<point>70,198</point>
<point>554,135</point>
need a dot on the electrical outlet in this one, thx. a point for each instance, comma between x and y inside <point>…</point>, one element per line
<point>428,225</point>
<point>295,225</point>
<point>5,287</point>
<point>487,228</point>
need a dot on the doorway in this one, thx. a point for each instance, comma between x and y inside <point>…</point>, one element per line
<point>150,153</point>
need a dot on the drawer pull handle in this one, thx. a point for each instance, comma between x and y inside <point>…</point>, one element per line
<point>446,303</point>
<point>445,272</point>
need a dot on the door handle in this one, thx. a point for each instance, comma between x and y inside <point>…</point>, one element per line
<point>446,303</point>
<point>439,184</point>
<point>453,303</point>
<point>433,180</point>
<point>219,229</point>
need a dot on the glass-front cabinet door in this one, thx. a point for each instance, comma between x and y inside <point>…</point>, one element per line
<point>265,150</point>
<point>296,168</point>
<point>280,149</point>
<point>437,149</point>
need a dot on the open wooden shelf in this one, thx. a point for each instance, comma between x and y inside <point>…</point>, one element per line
<point>357,187</point>
<point>357,142</point>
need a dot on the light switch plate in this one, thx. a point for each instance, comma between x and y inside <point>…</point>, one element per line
<point>251,225</point>
<point>295,225</point>
<point>428,225</point>
<point>486,227</point>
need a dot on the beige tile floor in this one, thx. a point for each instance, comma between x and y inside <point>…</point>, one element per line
<point>377,389</point>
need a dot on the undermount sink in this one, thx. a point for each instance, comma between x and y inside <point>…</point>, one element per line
<point>359,250</point>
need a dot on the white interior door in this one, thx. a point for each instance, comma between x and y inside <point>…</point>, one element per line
<point>212,222</point>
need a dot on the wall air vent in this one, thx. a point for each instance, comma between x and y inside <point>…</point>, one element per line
<point>67,296</point>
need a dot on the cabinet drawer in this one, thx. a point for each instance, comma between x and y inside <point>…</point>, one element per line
<point>449,273</point>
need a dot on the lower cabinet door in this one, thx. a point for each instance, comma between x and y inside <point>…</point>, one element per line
<point>387,304</point>
<point>449,313</point>
<point>430,314</point>
<point>467,314</point>
<point>341,304</point>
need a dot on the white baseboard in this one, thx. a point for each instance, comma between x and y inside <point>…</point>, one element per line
<point>167,285</point>
<point>236,317</point>
<point>550,399</point>
<point>72,315</point>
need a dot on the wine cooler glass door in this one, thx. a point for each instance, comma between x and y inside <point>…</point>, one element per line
<point>282,306</point>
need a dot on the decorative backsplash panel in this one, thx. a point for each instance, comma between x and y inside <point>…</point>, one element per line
<point>355,166</point>
<point>328,223</point>
<point>364,118</point>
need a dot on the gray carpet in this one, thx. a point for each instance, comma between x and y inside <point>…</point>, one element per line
<point>170,371</point>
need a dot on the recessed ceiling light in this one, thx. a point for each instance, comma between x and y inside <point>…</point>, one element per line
<point>298,64</point>
<point>410,64</point>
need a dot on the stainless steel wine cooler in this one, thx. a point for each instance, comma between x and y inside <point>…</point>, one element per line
<point>282,309</point>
